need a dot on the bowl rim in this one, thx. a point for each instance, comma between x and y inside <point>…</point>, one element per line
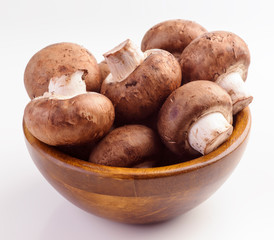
<point>240,133</point>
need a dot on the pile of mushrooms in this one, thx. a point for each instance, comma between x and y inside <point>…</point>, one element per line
<point>175,95</point>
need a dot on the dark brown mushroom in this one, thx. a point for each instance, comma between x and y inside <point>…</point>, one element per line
<point>68,115</point>
<point>57,60</point>
<point>127,146</point>
<point>172,36</point>
<point>139,82</point>
<point>222,57</point>
<point>197,117</point>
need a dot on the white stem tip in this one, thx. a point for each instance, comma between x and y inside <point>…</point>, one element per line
<point>209,132</point>
<point>235,86</point>
<point>66,86</point>
<point>123,60</point>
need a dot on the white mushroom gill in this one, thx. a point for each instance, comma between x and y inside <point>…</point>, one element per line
<point>209,132</point>
<point>123,60</point>
<point>66,86</point>
<point>236,88</point>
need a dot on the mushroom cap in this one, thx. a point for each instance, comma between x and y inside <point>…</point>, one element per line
<point>126,146</point>
<point>104,69</point>
<point>60,59</point>
<point>77,120</point>
<point>214,54</point>
<point>172,35</point>
<point>143,92</point>
<point>185,106</point>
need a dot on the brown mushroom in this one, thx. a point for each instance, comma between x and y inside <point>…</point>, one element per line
<point>126,146</point>
<point>67,114</point>
<point>60,59</point>
<point>172,35</point>
<point>197,117</point>
<point>104,69</point>
<point>139,82</point>
<point>222,57</point>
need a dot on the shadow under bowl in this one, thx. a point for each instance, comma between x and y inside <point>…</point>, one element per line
<point>139,196</point>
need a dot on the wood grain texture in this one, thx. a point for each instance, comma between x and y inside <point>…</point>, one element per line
<point>140,196</point>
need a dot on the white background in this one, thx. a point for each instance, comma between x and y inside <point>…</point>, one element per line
<point>30,208</point>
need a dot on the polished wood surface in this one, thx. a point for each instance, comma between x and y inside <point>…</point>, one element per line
<point>140,196</point>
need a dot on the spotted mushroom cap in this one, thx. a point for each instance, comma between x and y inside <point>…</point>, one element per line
<point>185,106</point>
<point>143,92</point>
<point>60,59</point>
<point>84,118</point>
<point>172,35</point>
<point>126,146</point>
<point>214,54</point>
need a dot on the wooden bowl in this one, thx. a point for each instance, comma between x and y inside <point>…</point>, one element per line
<point>133,195</point>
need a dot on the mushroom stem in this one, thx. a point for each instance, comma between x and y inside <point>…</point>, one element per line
<point>235,86</point>
<point>123,60</point>
<point>209,132</point>
<point>66,86</point>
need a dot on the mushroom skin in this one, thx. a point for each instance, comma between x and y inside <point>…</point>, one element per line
<point>104,69</point>
<point>71,121</point>
<point>221,57</point>
<point>172,35</point>
<point>214,54</point>
<point>143,91</point>
<point>60,59</point>
<point>127,146</point>
<point>185,106</point>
